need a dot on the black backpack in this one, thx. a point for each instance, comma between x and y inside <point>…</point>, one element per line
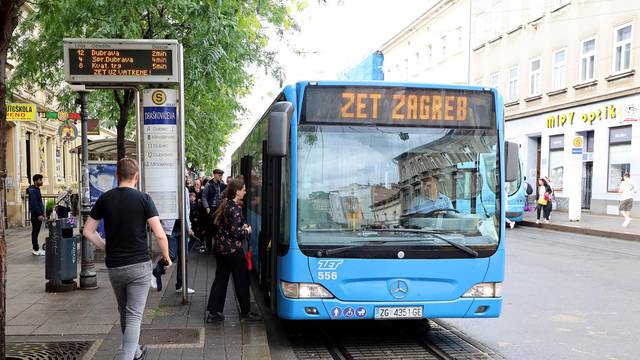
<point>529,189</point>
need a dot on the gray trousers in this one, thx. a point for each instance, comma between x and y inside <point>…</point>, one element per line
<point>131,285</point>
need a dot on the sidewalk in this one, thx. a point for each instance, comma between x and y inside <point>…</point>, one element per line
<point>83,324</point>
<point>606,226</point>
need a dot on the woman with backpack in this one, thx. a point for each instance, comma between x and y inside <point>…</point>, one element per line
<point>543,196</point>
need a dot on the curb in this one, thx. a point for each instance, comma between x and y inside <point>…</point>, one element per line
<point>584,231</point>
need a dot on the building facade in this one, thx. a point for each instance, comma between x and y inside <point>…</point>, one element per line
<point>567,72</point>
<point>434,48</point>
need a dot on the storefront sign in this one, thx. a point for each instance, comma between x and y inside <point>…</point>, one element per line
<point>67,131</point>
<point>588,117</point>
<point>556,142</point>
<point>620,135</point>
<point>21,112</point>
<point>160,150</point>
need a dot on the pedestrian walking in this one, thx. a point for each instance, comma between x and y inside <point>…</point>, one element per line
<point>211,199</point>
<point>126,213</point>
<point>627,189</point>
<point>230,256</point>
<point>543,194</point>
<point>36,210</point>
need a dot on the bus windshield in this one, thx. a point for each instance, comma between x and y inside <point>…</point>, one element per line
<point>360,183</point>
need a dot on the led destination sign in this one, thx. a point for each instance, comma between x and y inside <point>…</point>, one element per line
<point>120,62</point>
<point>399,106</point>
<point>114,61</point>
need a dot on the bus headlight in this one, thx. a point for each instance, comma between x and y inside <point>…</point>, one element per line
<point>484,290</point>
<point>305,291</point>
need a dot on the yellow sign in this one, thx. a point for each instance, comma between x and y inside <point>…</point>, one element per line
<point>587,117</point>
<point>577,142</point>
<point>158,97</point>
<point>21,112</point>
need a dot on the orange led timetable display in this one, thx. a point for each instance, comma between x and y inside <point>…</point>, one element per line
<point>399,106</point>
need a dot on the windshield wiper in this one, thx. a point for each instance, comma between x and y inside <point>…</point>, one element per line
<point>338,250</point>
<point>435,234</point>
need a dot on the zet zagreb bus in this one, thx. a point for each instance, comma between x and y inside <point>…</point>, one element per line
<point>378,200</point>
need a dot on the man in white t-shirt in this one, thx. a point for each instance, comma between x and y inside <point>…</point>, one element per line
<point>627,189</point>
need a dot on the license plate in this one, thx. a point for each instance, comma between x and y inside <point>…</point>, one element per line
<point>399,312</point>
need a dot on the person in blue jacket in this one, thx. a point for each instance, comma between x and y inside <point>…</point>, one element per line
<point>36,210</point>
<point>431,198</point>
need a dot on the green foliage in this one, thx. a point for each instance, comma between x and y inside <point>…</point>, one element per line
<point>48,206</point>
<point>220,38</point>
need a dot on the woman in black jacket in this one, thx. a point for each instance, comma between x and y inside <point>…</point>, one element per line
<point>230,256</point>
<point>543,196</point>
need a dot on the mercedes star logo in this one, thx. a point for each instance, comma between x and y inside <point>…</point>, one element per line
<point>398,289</point>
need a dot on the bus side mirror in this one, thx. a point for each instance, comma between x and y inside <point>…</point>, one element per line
<point>278,133</point>
<point>512,161</point>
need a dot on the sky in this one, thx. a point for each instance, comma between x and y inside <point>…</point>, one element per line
<point>334,36</point>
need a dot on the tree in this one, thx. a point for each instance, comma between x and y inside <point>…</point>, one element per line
<point>220,38</point>
<point>9,16</point>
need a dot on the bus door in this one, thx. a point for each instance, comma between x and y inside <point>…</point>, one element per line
<point>270,234</point>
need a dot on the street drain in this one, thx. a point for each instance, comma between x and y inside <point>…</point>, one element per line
<point>172,338</point>
<point>70,350</point>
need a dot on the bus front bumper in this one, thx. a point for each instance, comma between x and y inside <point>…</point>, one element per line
<point>334,309</point>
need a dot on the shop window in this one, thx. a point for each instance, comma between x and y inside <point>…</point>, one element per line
<point>622,48</point>
<point>556,161</point>
<point>619,156</point>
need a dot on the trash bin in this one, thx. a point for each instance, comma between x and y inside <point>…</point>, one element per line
<point>61,258</point>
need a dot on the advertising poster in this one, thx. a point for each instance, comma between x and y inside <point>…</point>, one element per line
<point>102,178</point>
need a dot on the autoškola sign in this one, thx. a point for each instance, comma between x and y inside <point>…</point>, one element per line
<point>21,112</point>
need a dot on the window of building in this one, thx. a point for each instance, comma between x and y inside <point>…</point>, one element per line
<point>513,84</point>
<point>459,38</point>
<point>443,39</point>
<point>497,18</point>
<point>588,60</point>
<point>622,48</point>
<point>556,161</point>
<point>559,69</point>
<point>535,73</point>
<point>494,80</point>
<point>619,155</point>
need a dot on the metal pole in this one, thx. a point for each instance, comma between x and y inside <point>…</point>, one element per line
<point>88,279</point>
<point>181,184</point>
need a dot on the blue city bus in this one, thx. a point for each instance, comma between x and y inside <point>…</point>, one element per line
<point>378,200</point>
<point>516,196</point>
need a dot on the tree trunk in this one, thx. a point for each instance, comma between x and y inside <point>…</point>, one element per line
<point>9,11</point>
<point>124,104</point>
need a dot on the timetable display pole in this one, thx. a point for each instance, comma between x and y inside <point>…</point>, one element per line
<point>88,279</point>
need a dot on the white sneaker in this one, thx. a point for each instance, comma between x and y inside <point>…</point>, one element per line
<point>512,224</point>
<point>40,252</point>
<point>189,291</point>
<point>546,221</point>
<point>153,283</point>
<point>537,221</point>
<point>35,252</point>
<point>626,223</point>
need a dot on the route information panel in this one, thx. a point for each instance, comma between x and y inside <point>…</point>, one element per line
<point>116,61</point>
